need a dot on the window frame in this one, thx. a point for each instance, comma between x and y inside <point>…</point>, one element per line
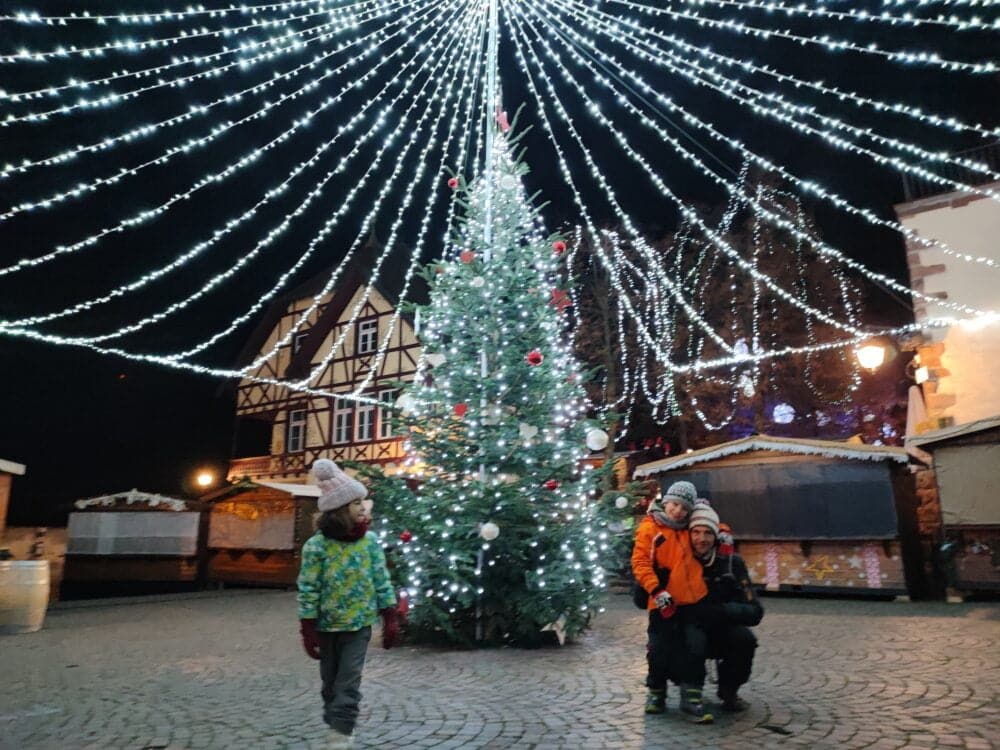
<point>364,327</point>
<point>342,431</point>
<point>296,429</point>
<point>369,410</point>
<point>384,429</point>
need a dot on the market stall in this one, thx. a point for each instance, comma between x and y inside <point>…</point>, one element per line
<point>811,515</point>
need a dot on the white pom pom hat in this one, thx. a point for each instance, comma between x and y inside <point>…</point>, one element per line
<point>336,487</point>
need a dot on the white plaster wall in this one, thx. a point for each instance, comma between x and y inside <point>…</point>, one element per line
<point>972,352</point>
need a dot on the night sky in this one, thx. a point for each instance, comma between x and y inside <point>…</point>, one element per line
<point>87,424</point>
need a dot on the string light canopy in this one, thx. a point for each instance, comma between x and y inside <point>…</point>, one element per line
<point>200,158</point>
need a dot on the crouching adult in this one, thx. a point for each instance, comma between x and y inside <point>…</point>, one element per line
<point>730,609</point>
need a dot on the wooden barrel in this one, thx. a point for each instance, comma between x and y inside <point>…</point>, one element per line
<point>24,595</point>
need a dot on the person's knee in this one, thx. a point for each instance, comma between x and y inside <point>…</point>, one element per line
<point>742,639</point>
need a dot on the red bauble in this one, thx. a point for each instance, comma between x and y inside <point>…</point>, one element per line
<point>551,484</point>
<point>559,247</point>
<point>406,536</point>
<point>453,183</point>
<point>466,256</point>
<point>534,358</point>
<point>460,410</point>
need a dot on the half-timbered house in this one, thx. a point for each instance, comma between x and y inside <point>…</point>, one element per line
<point>301,427</point>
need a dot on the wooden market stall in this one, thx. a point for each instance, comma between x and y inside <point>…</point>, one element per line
<point>133,538</point>
<point>967,472</point>
<point>811,515</point>
<point>256,532</point>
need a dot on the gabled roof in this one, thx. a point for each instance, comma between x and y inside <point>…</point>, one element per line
<point>356,274</point>
<point>296,490</point>
<point>800,446</point>
<point>955,432</point>
<point>133,496</point>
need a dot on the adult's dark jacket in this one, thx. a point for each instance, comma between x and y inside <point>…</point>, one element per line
<point>731,597</point>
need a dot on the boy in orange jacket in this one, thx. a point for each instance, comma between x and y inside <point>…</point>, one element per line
<point>664,565</point>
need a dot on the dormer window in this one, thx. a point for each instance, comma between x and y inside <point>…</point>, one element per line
<point>367,338</point>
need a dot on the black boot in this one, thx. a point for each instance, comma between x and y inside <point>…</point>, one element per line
<point>731,701</point>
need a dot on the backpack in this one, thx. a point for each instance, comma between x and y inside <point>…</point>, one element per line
<point>640,597</point>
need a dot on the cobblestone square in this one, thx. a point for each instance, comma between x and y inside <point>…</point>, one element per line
<point>225,670</point>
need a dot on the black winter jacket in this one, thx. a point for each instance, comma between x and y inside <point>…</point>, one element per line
<point>730,590</point>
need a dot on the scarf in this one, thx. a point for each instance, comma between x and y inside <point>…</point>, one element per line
<point>659,515</point>
<point>358,531</point>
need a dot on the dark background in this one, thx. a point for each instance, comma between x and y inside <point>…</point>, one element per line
<point>87,424</point>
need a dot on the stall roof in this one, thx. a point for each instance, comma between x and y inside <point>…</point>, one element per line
<point>10,467</point>
<point>130,497</point>
<point>299,490</point>
<point>801,446</point>
<point>958,431</point>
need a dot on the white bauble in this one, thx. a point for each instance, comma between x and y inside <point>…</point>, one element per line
<point>508,182</point>
<point>597,439</point>
<point>406,404</point>
<point>620,502</point>
<point>489,531</point>
<point>478,282</point>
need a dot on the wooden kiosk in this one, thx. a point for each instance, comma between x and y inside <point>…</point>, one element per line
<point>132,537</point>
<point>967,470</point>
<point>811,515</point>
<point>256,532</point>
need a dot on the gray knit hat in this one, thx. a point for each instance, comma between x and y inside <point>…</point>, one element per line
<point>704,515</point>
<point>682,493</point>
<point>336,487</point>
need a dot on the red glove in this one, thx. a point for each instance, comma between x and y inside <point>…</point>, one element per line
<point>390,627</point>
<point>310,637</point>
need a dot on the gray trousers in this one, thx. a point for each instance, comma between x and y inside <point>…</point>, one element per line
<point>341,660</point>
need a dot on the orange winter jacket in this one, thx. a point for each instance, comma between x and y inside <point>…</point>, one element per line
<point>687,581</point>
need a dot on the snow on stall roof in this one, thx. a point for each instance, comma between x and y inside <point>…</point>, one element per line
<point>131,497</point>
<point>11,467</point>
<point>957,431</point>
<point>800,446</point>
<point>300,490</point>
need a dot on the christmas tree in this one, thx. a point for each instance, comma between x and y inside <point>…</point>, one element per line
<point>500,536</point>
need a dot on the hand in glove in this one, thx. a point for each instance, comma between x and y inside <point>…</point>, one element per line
<point>310,638</point>
<point>390,627</point>
<point>665,603</point>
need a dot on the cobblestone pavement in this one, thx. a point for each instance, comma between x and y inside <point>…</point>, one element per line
<point>226,671</point>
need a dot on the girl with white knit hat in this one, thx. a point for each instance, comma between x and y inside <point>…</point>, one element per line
<point>344,587</point>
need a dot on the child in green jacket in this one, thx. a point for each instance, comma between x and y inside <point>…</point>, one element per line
<point>344,587</point>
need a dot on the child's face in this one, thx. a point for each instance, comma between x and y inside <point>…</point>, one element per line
<point>356,511</point>
<point>366,509</point>
<point>675,511</point>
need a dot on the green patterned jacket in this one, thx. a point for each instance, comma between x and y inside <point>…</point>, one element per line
<point>343,584</point>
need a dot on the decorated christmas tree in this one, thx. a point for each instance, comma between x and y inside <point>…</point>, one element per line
<point>498,535</point>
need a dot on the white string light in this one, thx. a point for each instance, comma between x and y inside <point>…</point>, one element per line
<point>269,239</point>
<point>929,59</point>
<point>691,119</point>
<point>807,186</point>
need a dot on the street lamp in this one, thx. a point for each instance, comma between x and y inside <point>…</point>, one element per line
<point>871,356</point>
<point>204,479</point>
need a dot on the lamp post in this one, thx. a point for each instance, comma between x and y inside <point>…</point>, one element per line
<point>871,356</point>
<point>204,479</point>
